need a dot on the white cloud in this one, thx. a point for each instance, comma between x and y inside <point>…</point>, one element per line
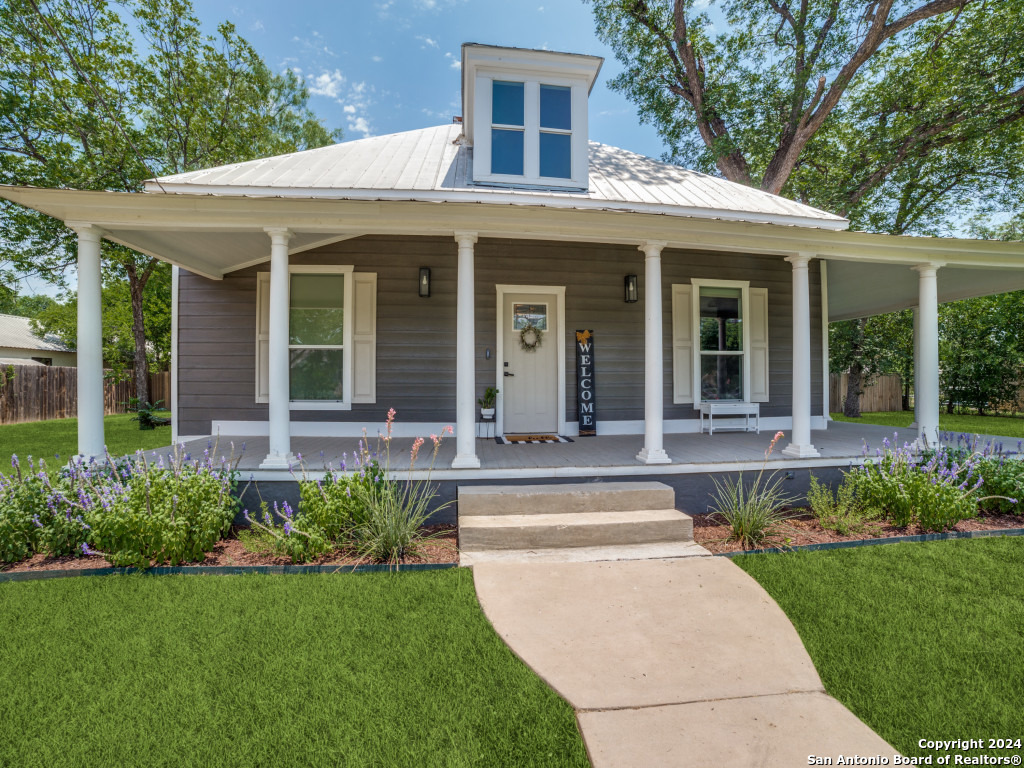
<point>360,125</point>
<point>376,59</point>
<point>256,26</point>
<point>427,41</point>
<point>349,109</point>
<point>327,84</point>
<point>454,61</point>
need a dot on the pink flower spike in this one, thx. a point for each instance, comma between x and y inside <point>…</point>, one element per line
<point>449,430</point>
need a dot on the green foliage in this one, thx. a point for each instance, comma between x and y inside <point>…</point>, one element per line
<point>936,493</point>
<point>756,513</point>
<point>146,415</point>
<point>334,504</point>
<point>839,511</point>
<point>1002,484</point>
<point>287,534</point>
<point>135,513</point>
<point>487,401</point>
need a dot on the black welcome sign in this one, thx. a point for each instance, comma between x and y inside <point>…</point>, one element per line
<point>586,402</point>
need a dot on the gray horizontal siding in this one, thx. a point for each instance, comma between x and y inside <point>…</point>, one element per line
<point>416,337</point>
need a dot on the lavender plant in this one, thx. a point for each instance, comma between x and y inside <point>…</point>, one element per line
<point>936,490</point>
<point>288,534</point>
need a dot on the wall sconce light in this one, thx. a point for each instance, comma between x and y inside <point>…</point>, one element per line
<point>425,282</point>
<point>632,292</point>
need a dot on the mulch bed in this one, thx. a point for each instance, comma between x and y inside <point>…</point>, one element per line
<point>441,548</point>
<point>804,529</point>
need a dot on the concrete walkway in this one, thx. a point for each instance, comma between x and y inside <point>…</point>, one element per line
<point>683,662</point>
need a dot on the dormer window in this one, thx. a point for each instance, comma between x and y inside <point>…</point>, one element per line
<point>525,115</point>
<point>508,130</point>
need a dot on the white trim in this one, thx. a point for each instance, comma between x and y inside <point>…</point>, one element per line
<point>499,349</point>
<point>175,277</point>
<point>744,286</point>
<point>420,428</point>
<point>826,389</point>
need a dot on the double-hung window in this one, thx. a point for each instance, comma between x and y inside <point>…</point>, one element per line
<point>555,131</point>
<point>332,337</point>
<point>721,346</point>
<point>316,337</point>
<point>508,128</point>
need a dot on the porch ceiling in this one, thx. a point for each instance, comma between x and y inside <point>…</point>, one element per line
<point>213,235</point>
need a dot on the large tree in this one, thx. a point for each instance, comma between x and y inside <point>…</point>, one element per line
<point>903,115</point>
<point>95,95</point>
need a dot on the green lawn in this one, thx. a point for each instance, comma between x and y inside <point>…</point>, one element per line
<point>918,640</point>
<point>314,670</point>
<point>60,436</point>
<point>1003,426</point>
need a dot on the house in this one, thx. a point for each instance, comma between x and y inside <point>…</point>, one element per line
<point>19,345</point>
<point>316,290</point>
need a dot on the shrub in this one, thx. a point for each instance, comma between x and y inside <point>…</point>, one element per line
<point>36,516</point>
<point>936,491</point>
<point>333,504</point>
<point>1003,484</point>
<point>754,514</point>
<point>840,512</point>
<point>145,513</point>
<point>295,537</point>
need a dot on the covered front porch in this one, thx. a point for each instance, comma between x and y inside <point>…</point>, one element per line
<point>601,456</point>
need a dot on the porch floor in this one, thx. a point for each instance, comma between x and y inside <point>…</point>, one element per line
<point>606,455</point>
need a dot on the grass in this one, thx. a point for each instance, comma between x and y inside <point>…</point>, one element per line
<point>47,439</point>
<point>311,670</point>
<point>1002,426</point>
<point>918,640</point>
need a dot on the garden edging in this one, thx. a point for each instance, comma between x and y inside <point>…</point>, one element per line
<point>886,540</point>
<point>223,570</point>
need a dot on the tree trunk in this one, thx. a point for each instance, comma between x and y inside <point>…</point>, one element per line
<point>851,406</point>
<point>137,285</point>
<point>905,400</point>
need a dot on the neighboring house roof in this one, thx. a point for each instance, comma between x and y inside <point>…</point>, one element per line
<point>19,361</point>
<point>16,331</point>
<point>433,164</point>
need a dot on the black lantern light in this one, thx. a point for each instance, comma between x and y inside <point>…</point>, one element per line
<point>632,292</point>
<point>425,282</point>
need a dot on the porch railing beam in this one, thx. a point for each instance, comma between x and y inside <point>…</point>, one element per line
<point>278,373</point>
<point>465,365</point>
<point>653,451</point>
<point>800,445</point>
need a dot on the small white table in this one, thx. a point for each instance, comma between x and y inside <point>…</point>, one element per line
<point>712,408</point>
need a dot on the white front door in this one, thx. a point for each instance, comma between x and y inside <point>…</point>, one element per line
<point>529,386</point>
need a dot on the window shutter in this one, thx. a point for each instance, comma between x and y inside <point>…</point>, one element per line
<point>262,337</point>
<point>364,337</point>
<point>682,343</point>
<point>758,345</point>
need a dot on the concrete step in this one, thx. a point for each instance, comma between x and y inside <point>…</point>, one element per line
<point>563,498</point>
<point>668,550</point>
<point>573,529</point>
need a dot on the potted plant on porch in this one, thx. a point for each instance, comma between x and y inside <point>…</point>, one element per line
<point>487,404</point>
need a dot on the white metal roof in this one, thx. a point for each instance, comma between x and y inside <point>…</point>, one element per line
<point>431,164</point>
<point>16,331</point>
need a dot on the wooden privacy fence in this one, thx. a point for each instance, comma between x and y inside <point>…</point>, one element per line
<point>884,393</point>
<point>39,392</point>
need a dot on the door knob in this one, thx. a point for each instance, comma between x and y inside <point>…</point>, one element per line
<point>509,374</point>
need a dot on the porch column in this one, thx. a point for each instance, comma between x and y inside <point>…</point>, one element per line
<point>90,343</point>
<point>653,451</point>
<point>917,366</point>
<point>465,365</point>
<point>800,444</point>
<point>279,369</point>
<point>927,375</point>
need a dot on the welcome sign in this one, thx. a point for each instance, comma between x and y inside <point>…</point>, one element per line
<point>586,402</point>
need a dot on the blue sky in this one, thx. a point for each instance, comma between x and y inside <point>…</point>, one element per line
<point>381,66</point>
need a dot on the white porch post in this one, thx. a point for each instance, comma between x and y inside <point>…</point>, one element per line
<point>653,451</point>
<point>279,373</point>
<point>917,367</point>
<point>927,376</point>
<point>465,364</point>
<point>800,444</point>
<point>90,343</point>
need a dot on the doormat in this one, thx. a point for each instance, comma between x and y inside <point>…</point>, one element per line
<point>513,439</point>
